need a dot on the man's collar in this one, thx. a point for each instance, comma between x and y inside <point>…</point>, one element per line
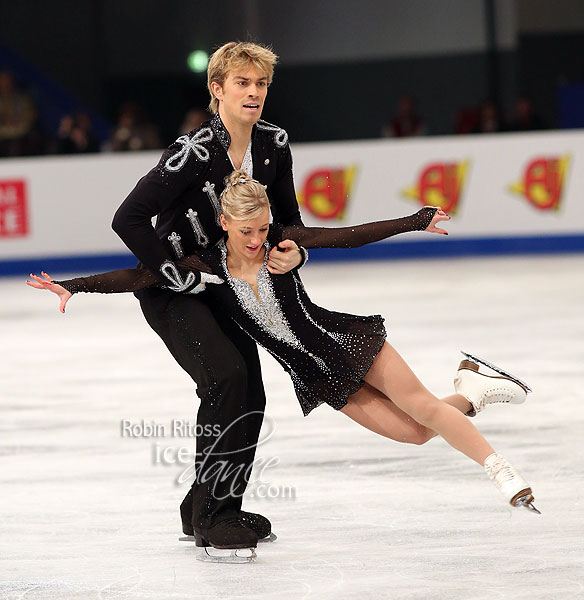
<point>221,131</point>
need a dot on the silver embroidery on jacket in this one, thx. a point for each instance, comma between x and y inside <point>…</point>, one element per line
<point>220,131</point>
<point>174,239</point>
<point>202,238</point>
<point>170,271</point>
<point>194,144</point>
<point>215,203</point>
<point>280,135</point>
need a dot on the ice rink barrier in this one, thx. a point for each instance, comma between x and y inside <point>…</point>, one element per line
<point>506,193</point>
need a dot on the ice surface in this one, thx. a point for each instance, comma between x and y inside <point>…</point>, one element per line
<point>86,513</point>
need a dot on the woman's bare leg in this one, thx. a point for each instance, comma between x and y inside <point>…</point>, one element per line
<point>459,402</point>
<point>375,411</point>
<point>391,375</point>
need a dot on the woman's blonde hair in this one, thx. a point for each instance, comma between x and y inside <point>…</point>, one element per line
<point>235,55</point>
<point>243,197</point>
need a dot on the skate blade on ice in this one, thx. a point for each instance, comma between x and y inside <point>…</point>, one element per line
<point>486,363</point>
<point>268,539</point>
<point>527,502</point>
<point>227,556</point>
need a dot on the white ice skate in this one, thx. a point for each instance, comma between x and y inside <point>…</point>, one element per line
<point>481,389</point>
<point>513,487</point>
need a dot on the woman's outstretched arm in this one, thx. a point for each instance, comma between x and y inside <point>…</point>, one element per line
<point>352,237</point>
<point>120,281</point>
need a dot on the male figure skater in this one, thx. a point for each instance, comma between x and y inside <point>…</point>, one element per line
<point>183,190</point>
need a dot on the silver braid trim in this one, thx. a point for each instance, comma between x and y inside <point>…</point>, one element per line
<point>202,238</point>
<point>195,145</point>
<point>280,135</point>
<point>215,203</point>
<point>169,270</point>
<point>174,238</point>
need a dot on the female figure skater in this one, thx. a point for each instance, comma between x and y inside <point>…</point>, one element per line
<point>334,358</point>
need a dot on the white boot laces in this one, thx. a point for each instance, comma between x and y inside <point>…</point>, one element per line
<point>495,395</point>
<point>500,471</point>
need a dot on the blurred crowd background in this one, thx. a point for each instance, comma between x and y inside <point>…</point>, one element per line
<point>82,76</point>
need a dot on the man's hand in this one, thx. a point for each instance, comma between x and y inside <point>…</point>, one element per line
<point>281,262</point>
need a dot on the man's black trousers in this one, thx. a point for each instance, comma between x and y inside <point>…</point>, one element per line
<point>224,363</point>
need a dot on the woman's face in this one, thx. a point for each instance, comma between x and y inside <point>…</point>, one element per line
<point>246,238</point>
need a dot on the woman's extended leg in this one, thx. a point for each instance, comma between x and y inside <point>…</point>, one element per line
<point>413,415</point>
<point>391,375</point>
<point>374,410</point>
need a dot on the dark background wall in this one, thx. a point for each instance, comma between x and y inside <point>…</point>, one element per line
<point>344,63</point>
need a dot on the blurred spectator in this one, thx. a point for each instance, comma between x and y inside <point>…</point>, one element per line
<point>489,118</point>
<point>76,135</point>
<point>133,131</point>
<point>193,119</point>
<point>466,120</point>
<point>19,134</point>
<point>524,118</point>
<point>407,122</point>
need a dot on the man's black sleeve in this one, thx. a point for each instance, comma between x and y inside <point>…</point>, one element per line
<point>284,204</point>
<point>155,192</point>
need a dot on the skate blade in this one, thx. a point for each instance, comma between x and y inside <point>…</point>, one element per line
<point>527,502</point>
<point>221,556</point>
<point>268,539</point>
<point>486,363</point>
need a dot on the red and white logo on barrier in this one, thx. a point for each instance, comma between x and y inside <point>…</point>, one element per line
<point>543,182</point>
<point>439,184</point>
<point>13,209</point>
<point>325,192</point>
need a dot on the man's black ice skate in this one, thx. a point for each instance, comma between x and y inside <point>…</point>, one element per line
<point>229,535</point>
<point>259,524</point>
<point>256,522</point>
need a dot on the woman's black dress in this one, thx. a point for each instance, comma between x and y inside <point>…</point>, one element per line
<point>326,353</point>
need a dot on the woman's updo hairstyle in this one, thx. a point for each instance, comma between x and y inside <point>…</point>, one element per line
<point>243,197</point>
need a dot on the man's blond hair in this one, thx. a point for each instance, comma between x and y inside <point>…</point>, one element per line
<point>235,55</point>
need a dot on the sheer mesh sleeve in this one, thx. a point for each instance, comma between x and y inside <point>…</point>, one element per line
<point>127,280</point>
<point>358,235</point>
<point>123,280</point>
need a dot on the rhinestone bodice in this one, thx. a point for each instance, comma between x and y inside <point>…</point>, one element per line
<point>326,353</point>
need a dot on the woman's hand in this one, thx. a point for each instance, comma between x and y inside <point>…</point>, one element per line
<point>439,215</point>
<point>47,284</point>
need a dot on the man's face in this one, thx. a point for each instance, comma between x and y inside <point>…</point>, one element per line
<point>242,97</point>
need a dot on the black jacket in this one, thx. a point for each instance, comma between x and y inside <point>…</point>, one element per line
<point>183,189</point>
